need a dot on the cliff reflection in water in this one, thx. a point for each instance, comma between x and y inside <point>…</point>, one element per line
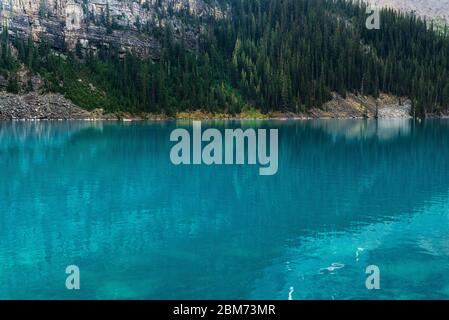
<point>383,129</point>
<point>107,198</point>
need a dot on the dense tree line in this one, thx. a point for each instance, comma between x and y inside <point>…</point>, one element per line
<point>285,55</point>
<point>292,54</point>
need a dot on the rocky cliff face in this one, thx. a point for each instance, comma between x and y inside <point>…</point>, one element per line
<point>128,24</point>
<point>430,9</point>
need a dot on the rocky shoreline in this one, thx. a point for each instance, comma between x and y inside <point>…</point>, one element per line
<point>51,106</point>
<point>33,106</point>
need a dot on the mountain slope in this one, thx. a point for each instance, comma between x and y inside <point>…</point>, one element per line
<point>430,9</point>
<point>130,25</point>
<point>290,55</point>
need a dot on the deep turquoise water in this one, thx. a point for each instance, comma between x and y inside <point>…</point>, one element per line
<point>105,196</point>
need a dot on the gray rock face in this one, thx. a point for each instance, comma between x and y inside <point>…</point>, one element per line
<point>95,23</point>
<point>430,9</point>
<point>33,106</point>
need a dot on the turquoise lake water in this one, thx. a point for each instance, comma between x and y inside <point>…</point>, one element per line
<point>105,197</point>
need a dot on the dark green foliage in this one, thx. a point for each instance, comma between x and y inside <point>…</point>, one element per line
<point>13,84</point>
<point>8,65</point>
<point>287,55</point>
<point>292,54</point>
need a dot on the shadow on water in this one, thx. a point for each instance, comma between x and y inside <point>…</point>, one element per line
<point>106,197</point>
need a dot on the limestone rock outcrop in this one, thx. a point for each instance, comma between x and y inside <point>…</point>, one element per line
<point>90,24</point>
